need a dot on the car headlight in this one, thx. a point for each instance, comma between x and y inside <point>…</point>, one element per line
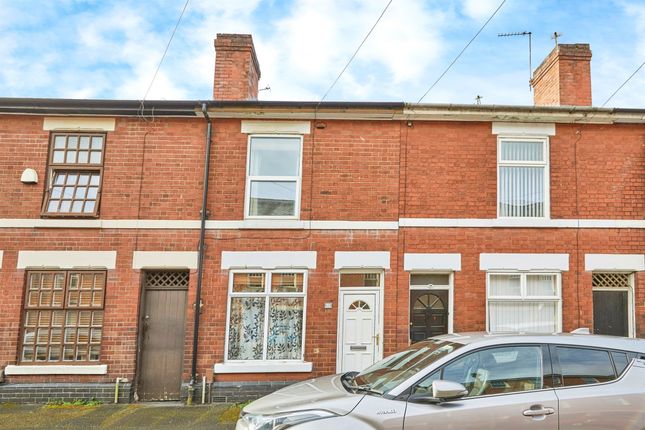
<point>279,421</point>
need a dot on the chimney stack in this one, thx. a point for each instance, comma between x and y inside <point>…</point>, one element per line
<point>564,77</point>
<point>237,70</point>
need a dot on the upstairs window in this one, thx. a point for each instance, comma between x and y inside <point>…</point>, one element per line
<point>523,178</point>
<point>75,174</point>
<point>273,177</point>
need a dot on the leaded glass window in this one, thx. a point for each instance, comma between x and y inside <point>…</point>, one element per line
<point>63,317</point>
<point>75,174</point>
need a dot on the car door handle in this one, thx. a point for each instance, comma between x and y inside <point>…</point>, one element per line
<point>538,412</point>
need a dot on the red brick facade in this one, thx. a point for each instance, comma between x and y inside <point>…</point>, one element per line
<point>391,182</point>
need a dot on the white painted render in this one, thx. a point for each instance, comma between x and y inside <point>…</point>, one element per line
<point>78,124</point>
<point>164,259</point>
<point>523,261</point>
<point>426,261</point>
<point>67,259</point>
<point>321,225</point>
<point>361,260</point>
<point>524,129</point>
<point>615,262</point>
<point>96,369</point>
<point>276,127</point>
<point>268,259</point>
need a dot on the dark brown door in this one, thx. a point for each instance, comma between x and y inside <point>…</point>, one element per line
<point>162,339</point>
<point>610,313</point>
<point>428,314</point>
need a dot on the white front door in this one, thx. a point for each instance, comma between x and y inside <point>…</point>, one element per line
<point>359,338</point>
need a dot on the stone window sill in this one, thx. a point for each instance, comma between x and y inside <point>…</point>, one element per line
<point>95,369</point>
<point>263,367</point>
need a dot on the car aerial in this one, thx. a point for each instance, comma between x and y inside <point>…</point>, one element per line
<point>473,381</point>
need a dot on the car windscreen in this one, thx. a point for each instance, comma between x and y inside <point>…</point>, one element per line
<point>388,373</point>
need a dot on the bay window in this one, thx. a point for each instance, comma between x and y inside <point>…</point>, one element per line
<point>266,315</point>
<point>526,302</point>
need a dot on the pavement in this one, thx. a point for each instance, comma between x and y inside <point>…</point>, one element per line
<point>135,416</point>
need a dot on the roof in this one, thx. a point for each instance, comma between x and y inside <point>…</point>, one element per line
<point>260,109</point>
<point>593,340</point>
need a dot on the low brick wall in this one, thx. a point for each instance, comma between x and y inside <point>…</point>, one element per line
<point>233,392</point>
<point>46,392</point>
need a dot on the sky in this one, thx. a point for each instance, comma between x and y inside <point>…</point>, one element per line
<point>109,49</point>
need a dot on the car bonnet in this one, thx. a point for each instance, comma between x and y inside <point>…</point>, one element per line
<point>326,393</point>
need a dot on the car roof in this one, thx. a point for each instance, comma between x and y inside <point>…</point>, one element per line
<point>592,340</point>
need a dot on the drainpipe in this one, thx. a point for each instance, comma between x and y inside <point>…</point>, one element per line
<point>200,254</point>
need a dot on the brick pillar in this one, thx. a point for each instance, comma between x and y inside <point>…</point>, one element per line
<point>237,70</point>
<point>564,77</point>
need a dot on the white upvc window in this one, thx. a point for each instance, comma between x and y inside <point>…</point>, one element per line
<point>522,177</point>
<point>273,177</point>
<point>266,315</point>
<point>524,302</point>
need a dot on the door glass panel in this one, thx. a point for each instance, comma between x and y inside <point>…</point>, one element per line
<point>580,366</point>
<point>429,279</point>
<point>498,370</point>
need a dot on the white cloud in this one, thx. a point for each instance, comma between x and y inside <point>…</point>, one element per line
<point>479,9</point>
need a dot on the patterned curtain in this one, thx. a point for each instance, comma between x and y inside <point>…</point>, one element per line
<point>246,328</point>
<point>284,341</point>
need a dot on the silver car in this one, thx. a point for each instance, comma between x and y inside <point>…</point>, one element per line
<point>473,381</point>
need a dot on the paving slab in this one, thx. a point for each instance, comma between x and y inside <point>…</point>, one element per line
<point>136,416</point>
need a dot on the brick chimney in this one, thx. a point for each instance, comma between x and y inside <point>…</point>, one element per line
<point>564,77</point>
<point>237,70</point>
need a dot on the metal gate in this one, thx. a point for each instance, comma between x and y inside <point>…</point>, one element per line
<point>163,335</point>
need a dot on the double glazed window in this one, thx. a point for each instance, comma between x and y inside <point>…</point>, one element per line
<point>75,172</point>
<point>522,180</point>
<point>524,302</point>
<point>266,315</point>
<point>63,316</point>
<point>273,177</point>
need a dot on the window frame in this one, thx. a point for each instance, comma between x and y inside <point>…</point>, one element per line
<point>546,164</point>
<point>63,308</point>
<point>547,370</point>
<point>250,179</point>
<point>557,368</point>
<point>53,168</point>
<point>267,294</point>
<point>523,297</point>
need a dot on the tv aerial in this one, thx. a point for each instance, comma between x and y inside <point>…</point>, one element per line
<point>522,33</point>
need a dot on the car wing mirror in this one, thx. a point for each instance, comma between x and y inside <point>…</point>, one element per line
<point>442,391</point>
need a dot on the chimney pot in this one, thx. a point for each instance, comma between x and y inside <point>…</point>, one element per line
<point>237,70</point>
<point>564,77</point>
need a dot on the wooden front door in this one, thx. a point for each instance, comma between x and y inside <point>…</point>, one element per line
<point>610,313</point>
<point>428,314</point>
<point>162,336</point>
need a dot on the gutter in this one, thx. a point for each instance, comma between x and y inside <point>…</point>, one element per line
<point>201,250</point>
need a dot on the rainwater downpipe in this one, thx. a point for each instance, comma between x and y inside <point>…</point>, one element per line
<point>200,254</point>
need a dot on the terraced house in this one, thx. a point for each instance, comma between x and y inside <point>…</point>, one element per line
<point>240,245</point>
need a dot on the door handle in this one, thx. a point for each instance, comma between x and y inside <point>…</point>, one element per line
<point>538,412</point>
<point>377,337</point>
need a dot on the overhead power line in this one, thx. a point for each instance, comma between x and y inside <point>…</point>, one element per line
<point>623,84</point>
<point>172,35</point>
<point>356,52</point>
<point>461,52</point>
